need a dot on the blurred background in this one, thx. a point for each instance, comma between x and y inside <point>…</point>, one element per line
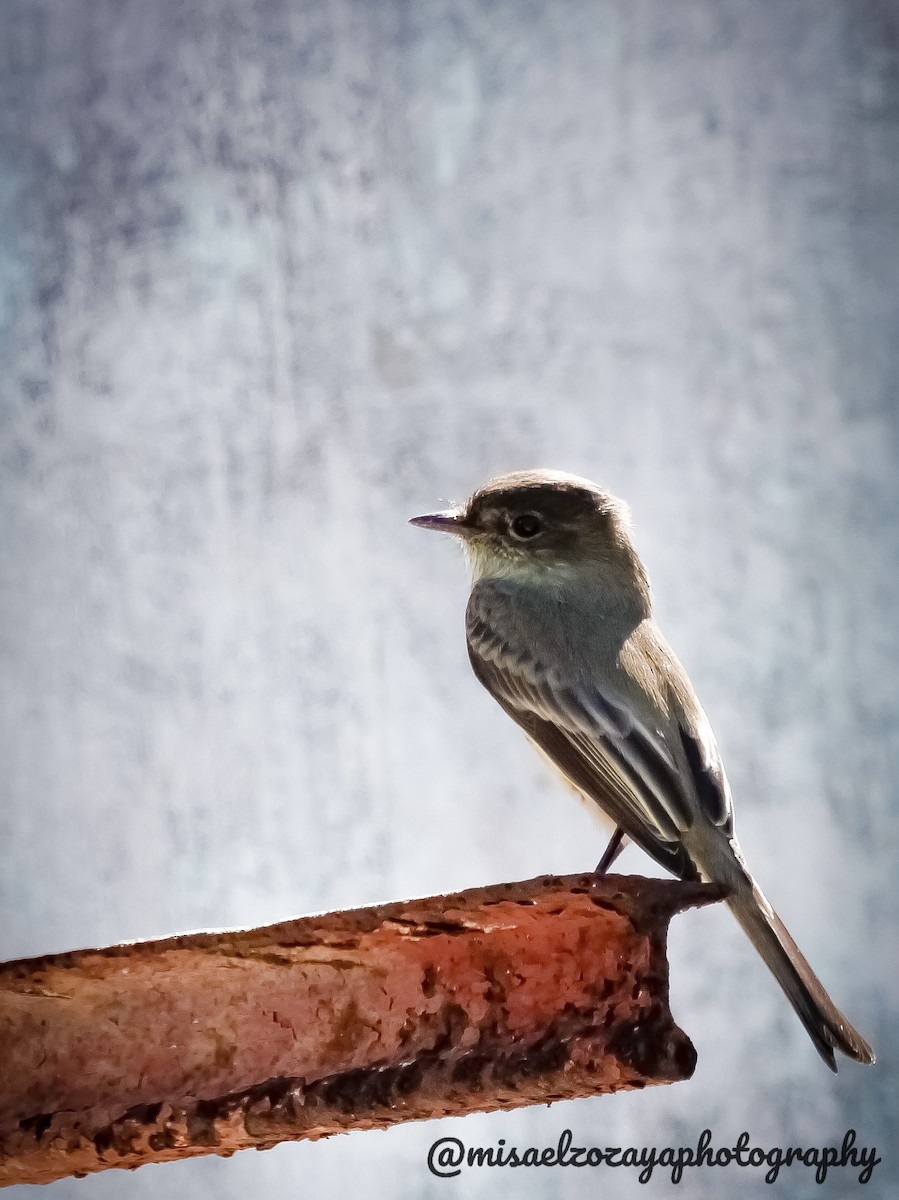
<point>275,276</point>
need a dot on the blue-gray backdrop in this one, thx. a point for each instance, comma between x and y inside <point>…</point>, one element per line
<point>276,275</point>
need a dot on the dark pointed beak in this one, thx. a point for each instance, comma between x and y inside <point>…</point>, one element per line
<point>451,521</point>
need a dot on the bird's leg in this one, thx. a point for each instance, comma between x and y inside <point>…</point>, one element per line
<point>614,848</point>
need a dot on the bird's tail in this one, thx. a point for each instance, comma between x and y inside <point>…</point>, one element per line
<point>826,1025</point>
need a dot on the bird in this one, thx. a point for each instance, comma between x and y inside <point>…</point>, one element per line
<point>560,631</point>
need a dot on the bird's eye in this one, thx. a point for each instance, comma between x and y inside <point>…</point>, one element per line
<point>526,525</point>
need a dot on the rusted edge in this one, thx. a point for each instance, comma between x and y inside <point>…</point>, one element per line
<point>656,1051</point>
<point>641,899</point>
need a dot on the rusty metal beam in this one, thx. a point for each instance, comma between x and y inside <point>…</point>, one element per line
<point>208,1043</point>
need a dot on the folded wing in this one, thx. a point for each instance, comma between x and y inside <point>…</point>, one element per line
<point>627,770</point>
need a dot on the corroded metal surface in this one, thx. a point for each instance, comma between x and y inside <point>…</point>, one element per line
<point>492,998</point>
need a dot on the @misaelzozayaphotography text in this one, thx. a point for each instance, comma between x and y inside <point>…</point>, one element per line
<point>449,1157</point>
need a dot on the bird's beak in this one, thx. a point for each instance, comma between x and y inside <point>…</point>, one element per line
<point>451,521</point>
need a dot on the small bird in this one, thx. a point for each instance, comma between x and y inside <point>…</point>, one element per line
<point>560,632</point>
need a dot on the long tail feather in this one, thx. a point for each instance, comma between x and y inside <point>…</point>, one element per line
<point>826,1025</point>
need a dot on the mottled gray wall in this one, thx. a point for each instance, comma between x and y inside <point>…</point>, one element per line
<point>275,276</point>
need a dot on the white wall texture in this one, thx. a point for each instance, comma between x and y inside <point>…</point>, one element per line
<point>275,276</point>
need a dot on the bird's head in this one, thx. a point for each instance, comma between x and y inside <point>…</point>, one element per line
<point>537,523</point>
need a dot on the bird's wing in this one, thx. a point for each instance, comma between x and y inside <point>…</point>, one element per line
<point>705,765</point>
<point>627,770</point>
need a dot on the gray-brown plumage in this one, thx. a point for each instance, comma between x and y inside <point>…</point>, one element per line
<point>560,632</point>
